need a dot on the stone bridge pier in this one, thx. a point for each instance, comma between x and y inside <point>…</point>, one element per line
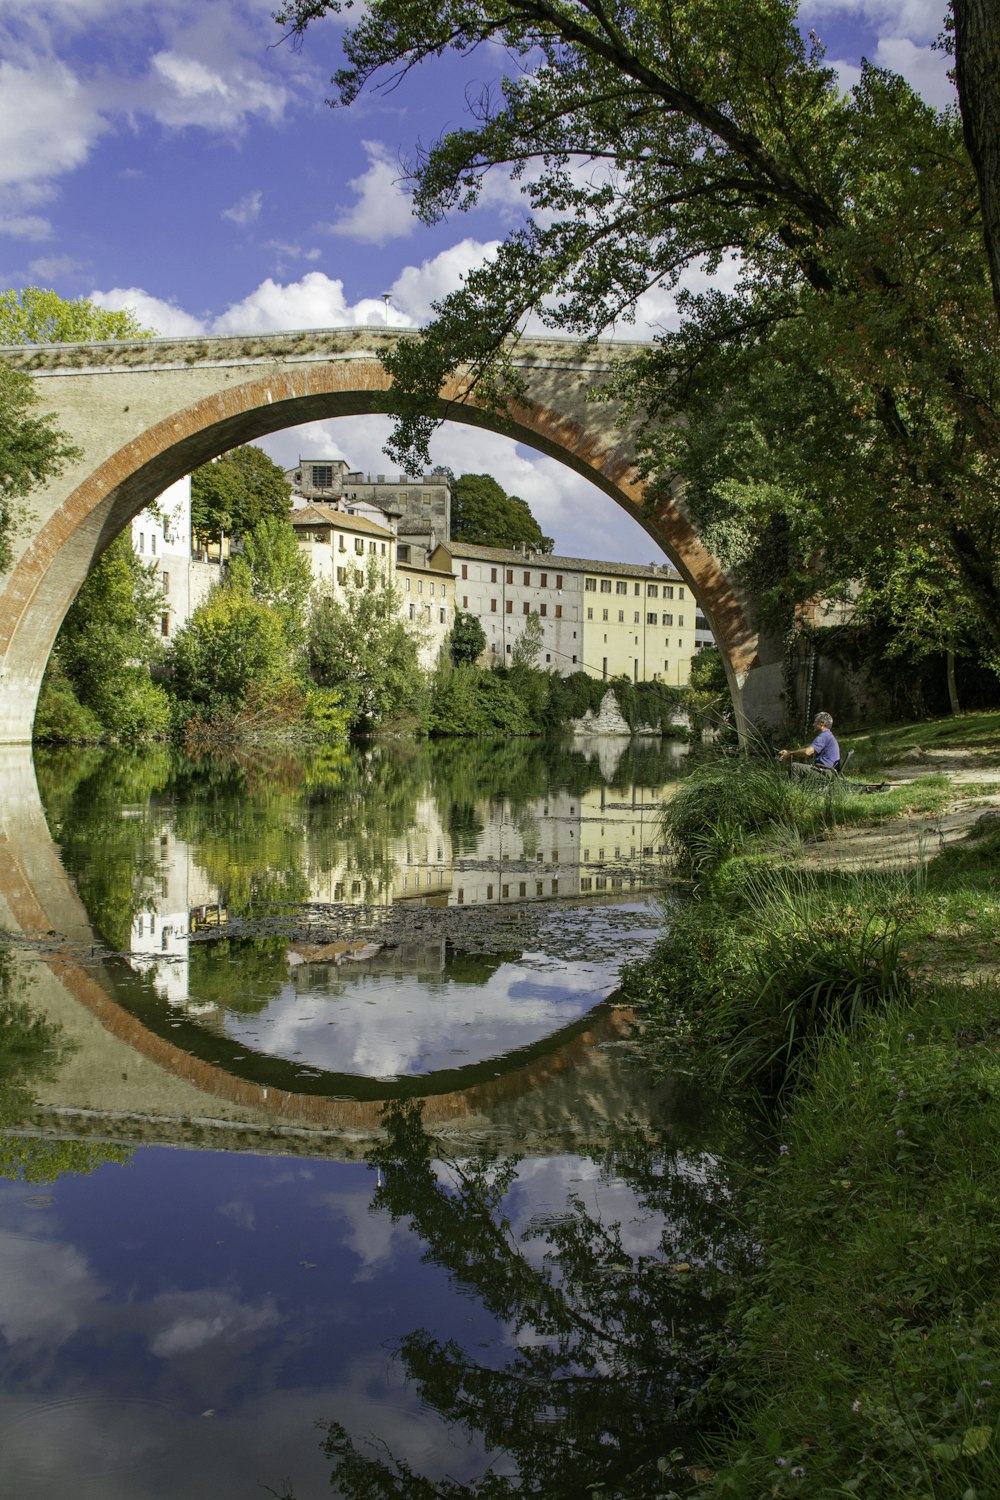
<point>145,413</point>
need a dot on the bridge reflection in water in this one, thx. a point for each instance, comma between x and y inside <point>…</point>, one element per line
<point>192,1031</point>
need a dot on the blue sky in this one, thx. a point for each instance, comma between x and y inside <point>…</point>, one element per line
<point>179,159</point>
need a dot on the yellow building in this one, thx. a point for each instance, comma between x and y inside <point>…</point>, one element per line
<point>606,619</point>
<point>638,623</point>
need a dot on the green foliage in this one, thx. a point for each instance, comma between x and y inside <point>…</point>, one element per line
<point>468,700</point>
<point>842,394</point>
<point>359,646</point>
<point>233,494</point>
<point>274,571</point>
<point>468,638</point>
<point>103,653</point>
<point>707,674</point>
<point>326,713</point>
<point>233,648</point>
<point>32,451</point>
<point>727,802</point>
<point>864,1347</point>
<point>60,717</point>
<point>27,1158</point>
<point>37,315</point>
<point>528,646</point>
<point>571,697</point>
<point>484,514</point>
<point>754,974</point>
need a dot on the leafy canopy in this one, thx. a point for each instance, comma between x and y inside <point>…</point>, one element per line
<point>233,494</point>
<point>484,514</point>
<point>468,638</point>
<point>837,383</point>
<point>37,315</point>
<point>108,641</point>
<point>359,645</point>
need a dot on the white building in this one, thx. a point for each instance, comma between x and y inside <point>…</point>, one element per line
<point>161,539</point>
<point>340,546</point>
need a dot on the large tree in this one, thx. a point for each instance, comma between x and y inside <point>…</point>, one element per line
<point>105,647</point>
<point>359,646</point>
<point>482,512</point>
<point>844,389</point>
<point>977,69</point>
<point>231,495</point>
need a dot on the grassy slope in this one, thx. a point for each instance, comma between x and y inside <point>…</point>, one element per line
<point>864,1352</point>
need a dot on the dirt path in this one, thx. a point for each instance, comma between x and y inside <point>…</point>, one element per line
<point>909,839</point>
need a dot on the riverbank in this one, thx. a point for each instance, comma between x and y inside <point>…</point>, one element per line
<point>856,997</point>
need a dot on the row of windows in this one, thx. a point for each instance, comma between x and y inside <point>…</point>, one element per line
<point>359,546</point>
<point>543,609</point>
<point>543,578</point>
<point>652,617</point>
<point>442,613</point>
<point>420,587</point>
<point>652,589</point>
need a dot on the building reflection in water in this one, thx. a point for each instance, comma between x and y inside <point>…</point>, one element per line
<point>600,843</point>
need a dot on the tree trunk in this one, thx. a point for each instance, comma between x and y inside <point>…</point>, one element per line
<point>977,71</point>
<point>952,685</point>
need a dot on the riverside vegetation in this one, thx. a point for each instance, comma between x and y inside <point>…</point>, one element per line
<point>860,1010</point>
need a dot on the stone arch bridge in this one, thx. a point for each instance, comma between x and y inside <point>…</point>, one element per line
<point>145,413</point>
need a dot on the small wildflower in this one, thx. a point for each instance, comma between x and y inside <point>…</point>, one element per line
<point>910,1037</point>
<point>979,1404</point>
<point>855,1406</point>
<point>900,1133</point>
<point>782,1150</point>
<point>901,1094</point>
<point>798,1472</point>
<point>987,1383</point>
<point>781,1462</point>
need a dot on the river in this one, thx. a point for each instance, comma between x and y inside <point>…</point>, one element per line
<point>345,1167</point>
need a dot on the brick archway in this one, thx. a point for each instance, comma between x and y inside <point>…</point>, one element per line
<point>237,399</point>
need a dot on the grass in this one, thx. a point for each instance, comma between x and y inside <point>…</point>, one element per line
<point>865,1348</point>
<point>862,1010</point>
<point>728,807</point>
<point>886,746</point>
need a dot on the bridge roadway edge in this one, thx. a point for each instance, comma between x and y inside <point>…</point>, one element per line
<point>144,413</point>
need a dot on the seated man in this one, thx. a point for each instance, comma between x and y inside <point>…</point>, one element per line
<point>821,757</point>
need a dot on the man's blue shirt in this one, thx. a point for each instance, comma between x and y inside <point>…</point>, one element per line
<point>826,751</point>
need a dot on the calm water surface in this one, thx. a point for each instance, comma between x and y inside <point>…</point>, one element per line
<point>346,1166</point>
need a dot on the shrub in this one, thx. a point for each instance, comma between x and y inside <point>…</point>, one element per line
<point>718,809</point>
<point>60,716</point>
<point>756,973</point>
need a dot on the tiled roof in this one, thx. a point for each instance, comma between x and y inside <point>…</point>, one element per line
<point>510,558</point>
<point>329,515</point>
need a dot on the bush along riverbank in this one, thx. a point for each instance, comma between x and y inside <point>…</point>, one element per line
<point>862,1354</point>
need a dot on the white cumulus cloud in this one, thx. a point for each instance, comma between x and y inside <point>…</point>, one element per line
<point>25,226</point>
<point>381,210</point>
<point>316,301</point>
<point>48,122</point>
<point>183,91</point>
<point>925,70</point>
<point>153,312</point>
<point>416,287</point>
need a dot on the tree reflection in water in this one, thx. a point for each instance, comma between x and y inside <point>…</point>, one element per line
<point>610,1343</point>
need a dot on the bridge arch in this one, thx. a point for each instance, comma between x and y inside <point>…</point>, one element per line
<point>145,414</point>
